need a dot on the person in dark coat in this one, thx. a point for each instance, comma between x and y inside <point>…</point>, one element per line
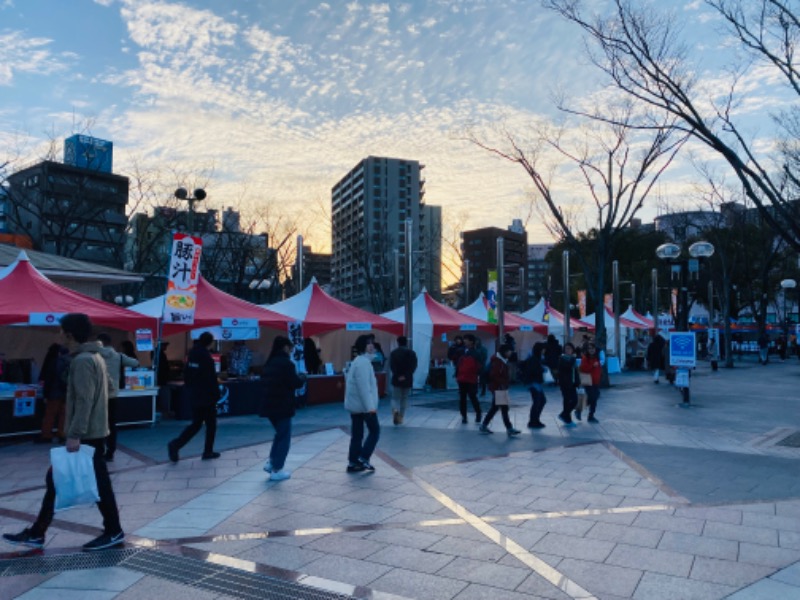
<point>280,382</point>
<point>402,364</point>
<point>552,352</point>
<point>200,383</point>
<point>311,357</point>
<point>467,371</point>
<point>54,387</point>
<point>499,382</point>
<point>655,356</point>
<point>536,386</point>
<point>568,381</point>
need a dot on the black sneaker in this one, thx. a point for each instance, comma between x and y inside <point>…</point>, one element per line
<point>536,425</point>
<point>592,419</point>
<point>365,463</point>
<point>478,418</point>
<point>463,420</point>
<point>109,457</point>
<point>355,467</point>
<point>104,541</point>
<point>211,455</point>
<point>173,451</point>
<point>26,537</point>
<point>578,415</point>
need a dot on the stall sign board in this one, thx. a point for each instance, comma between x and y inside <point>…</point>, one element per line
<point>359,326</point>
<point>525,328</point>
<point>144,340</point>
<point>468,327</point>
<point>682,349</point>
<point>234,322</point>
<point>46,319</point>
<point>24,402</point>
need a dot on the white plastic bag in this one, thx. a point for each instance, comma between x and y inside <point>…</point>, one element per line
<point>547,376</point>
<point>74,477</point>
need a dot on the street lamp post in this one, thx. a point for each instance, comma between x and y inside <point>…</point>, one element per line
<point>671,253</point>
<point>199,195</point>
<point>786,284</point>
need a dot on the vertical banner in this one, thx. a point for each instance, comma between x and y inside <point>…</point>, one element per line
<point>582,303</point>
<point>608,302</point>
<point>295,331</point>
<point>491,297</point>
<point>182,278</point>
<point>674,301</point>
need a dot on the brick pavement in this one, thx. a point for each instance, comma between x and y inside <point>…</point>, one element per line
<point>657,501</point>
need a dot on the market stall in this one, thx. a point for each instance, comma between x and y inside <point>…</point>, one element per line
<point>524,331</point>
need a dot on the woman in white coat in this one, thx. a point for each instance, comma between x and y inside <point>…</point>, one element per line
<point>361,400</point>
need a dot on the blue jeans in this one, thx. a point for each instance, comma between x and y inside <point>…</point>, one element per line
<point>281,442</point>
<point>360,448</point>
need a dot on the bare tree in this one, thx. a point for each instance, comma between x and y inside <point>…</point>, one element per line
<point>642,53</point>
<point>618,168</point>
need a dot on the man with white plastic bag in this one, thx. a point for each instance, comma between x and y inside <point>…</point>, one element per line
<point>87,424</point>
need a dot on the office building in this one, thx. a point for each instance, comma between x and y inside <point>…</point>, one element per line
<point>479,247</point>
<point>369,209</point>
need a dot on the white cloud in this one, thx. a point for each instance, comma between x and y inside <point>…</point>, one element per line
<point>20,54</point>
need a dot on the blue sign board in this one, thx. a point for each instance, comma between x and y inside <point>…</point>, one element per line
<point>88,152</point>
<point>682,349</point>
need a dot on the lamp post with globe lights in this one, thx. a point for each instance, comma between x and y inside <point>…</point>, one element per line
<point>685,270</point>
<point>198,196</point>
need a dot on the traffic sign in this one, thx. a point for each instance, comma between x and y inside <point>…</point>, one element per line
<point>682,349</point>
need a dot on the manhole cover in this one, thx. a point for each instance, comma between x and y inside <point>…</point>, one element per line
<point>792,441</point>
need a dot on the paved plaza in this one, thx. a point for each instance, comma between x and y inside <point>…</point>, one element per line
<point>655,502</point>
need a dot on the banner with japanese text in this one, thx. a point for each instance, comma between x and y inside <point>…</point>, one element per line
<point>182,278</point>
<point>582,303</point>
<point>491,297</point>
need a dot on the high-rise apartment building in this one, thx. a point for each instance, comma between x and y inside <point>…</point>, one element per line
<point>369,209</point>
<point>479,247</point>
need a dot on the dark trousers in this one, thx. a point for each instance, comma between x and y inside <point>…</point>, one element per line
<point>592,395</point>
<point>55,411</point>
<point>200,415</point>
<point>493,411</point>
<point>471,390</point>
<point>538,400</point>
<point>569,396</point>
<point>360,448</point>
<point>281,442</point>
<point>111,440</point>
<point>107,503</point>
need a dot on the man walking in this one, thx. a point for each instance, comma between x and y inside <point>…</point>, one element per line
<point>86,423</point>
<point>115,366</point>
<point>402,364</point>
<point>200,383</point>
<point>361,401</point>
<point>467,377</point>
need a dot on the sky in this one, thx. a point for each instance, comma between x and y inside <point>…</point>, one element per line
<point>273,101</point>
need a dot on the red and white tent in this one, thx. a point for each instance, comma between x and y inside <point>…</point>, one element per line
<point>511,321</point>
<point>632,315</point>
<point>625,326</point>
<point>321,313</point>
<point>545,313</point>
<point>214,305</point>
<point>430,320</point>
<point>28,297</point>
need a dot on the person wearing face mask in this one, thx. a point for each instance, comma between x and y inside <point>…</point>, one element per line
<point>361,400</point>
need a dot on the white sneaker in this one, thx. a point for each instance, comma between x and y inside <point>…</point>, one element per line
<point>280,476</point>
<point>268,466</point>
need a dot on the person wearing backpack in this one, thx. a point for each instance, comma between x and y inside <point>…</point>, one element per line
<point>533,376</point>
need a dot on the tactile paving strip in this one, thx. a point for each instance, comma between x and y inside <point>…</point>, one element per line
<point>180,569</point>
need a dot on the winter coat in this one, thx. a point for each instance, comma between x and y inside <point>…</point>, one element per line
<point>115,362</point>
<point>591,365</point>
<point>360,386</point>
<point>468,369</point>
<point>499,376</point>
<point>54,375</point>
<point>200,377</point>
<point>87,395</point>
<point>280,381</point>
<point>655,353</point>
<point>403,363</point>
<point>567,373</point>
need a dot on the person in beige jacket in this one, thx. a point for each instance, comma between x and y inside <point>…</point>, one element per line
<point>361,401</point>
<point>86,423</point>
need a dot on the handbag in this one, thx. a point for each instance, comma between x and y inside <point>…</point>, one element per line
<point>547,376</point>
<point>583,399</point>
<point>501,398</point>
<point>586,379</point>
<point>74,477</point>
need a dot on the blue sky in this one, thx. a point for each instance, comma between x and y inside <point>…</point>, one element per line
<point>275,100</point>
